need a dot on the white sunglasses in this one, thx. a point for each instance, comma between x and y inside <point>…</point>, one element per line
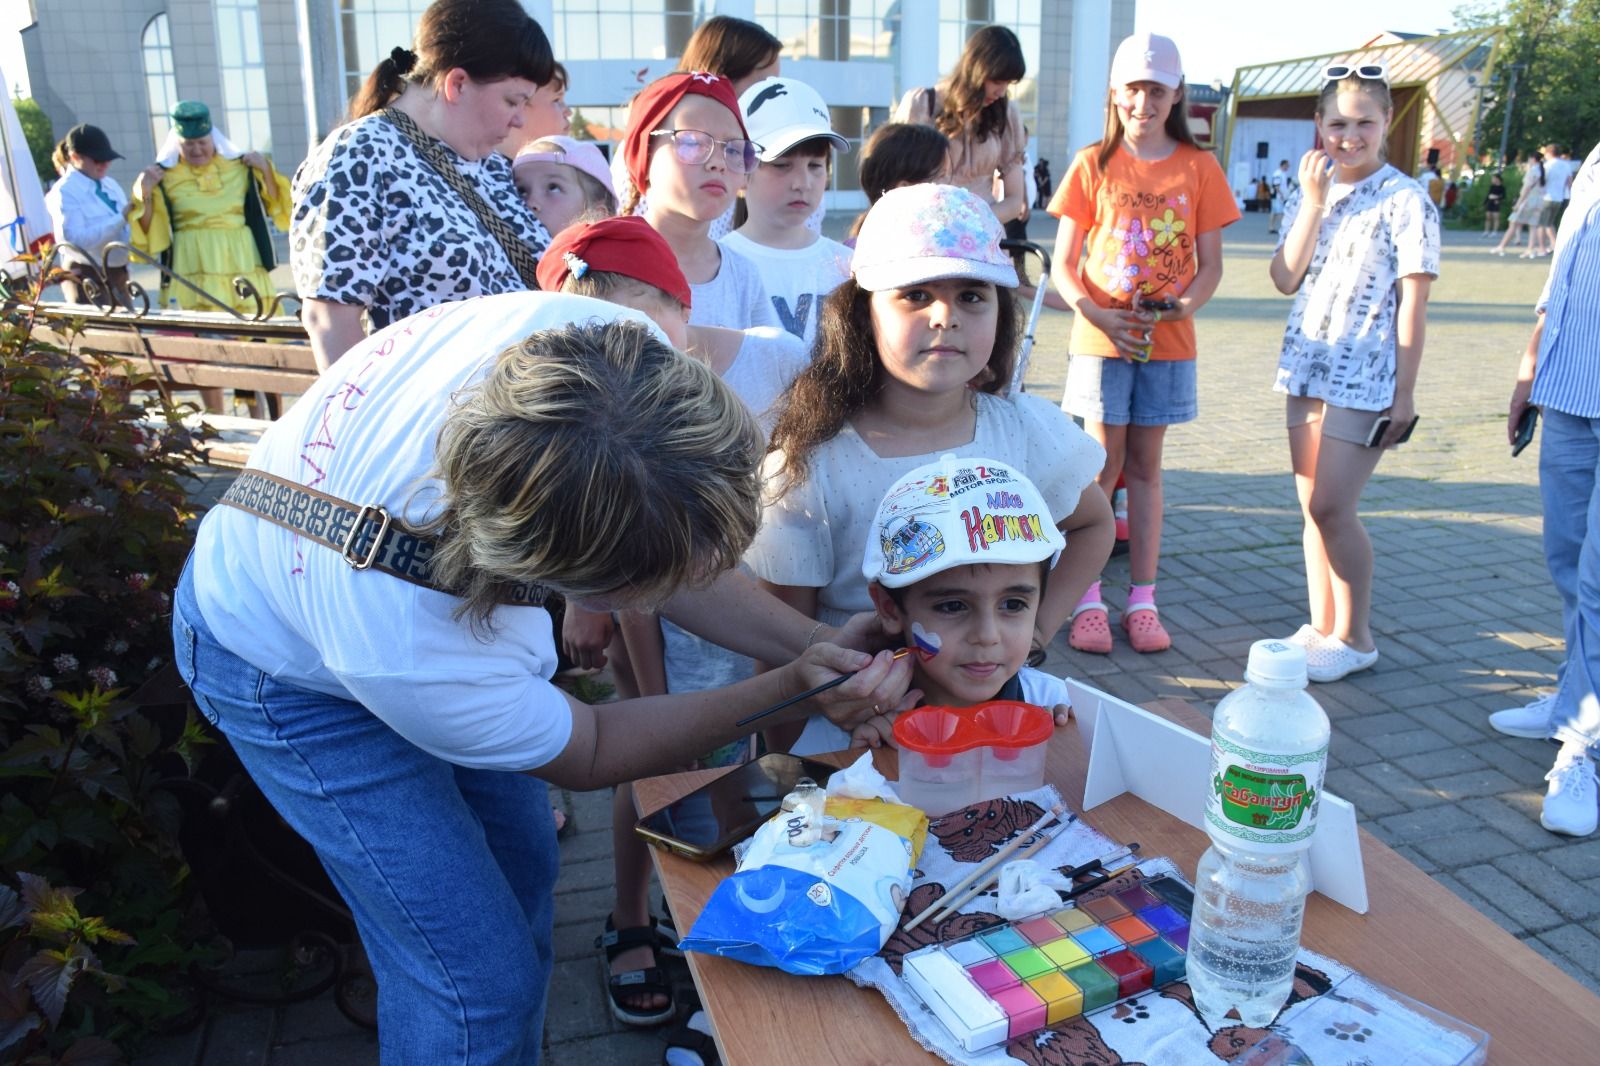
<point>1369,71</point>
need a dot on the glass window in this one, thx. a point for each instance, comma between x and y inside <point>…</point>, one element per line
<point>614,29</point>
<point>244,114</point>
<point>160,83</point>
<point>369,29</point>
<point>833,29</point>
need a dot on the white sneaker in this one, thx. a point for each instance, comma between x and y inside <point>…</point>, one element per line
<point>1570,803</point>
<point>1331,659</point>
<point>1531,720</point>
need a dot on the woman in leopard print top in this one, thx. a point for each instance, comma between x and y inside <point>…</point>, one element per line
<point>376,229</point>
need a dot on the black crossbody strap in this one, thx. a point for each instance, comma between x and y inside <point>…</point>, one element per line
<point>366,536</point>
<point>515,248</point>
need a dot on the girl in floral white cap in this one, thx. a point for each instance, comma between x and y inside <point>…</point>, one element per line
<point>912,355</point>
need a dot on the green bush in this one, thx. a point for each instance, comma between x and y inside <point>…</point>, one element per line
<point>41,138</point>
<point>93,535</point>
<point>1473,196</point>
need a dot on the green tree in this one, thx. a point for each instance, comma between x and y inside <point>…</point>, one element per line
<point>1557,44</point>
<point>41,138</point>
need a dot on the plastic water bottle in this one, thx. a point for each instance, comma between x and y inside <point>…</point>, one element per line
<point>1269,749</point>
<point>802,811</point>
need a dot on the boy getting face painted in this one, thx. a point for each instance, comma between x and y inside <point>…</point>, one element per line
<point>963,551</point>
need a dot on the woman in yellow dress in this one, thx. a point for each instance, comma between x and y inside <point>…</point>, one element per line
<point>204,209</point>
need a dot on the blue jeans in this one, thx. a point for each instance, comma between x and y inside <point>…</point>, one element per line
<point>1569,464</point>
<point>448,871</point>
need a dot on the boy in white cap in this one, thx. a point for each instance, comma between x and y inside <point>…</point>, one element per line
<point>789,121</point>
<point>957,563</point>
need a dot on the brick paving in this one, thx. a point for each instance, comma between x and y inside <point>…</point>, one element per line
<point>1464,613</point>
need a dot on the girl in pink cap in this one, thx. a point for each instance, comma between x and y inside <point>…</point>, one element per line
<point>914,352</point>
<point>1144,211</point>
<point>562,180</point>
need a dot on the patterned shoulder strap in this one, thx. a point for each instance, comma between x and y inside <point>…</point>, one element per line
<point>516,250</point>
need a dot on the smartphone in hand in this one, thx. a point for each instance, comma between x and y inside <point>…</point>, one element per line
<point>1525,427</point>
<point>1381,426</point>
<point>1157,308</point>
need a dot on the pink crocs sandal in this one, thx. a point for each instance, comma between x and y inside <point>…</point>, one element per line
<point>1144,629</point>
<point>1091,629</point>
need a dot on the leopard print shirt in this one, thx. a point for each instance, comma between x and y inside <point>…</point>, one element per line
<point>375,226</point>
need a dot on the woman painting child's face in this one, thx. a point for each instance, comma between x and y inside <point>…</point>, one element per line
<point>552,192</point>
<point>702,191</point>
<point>1353,128</point>
<point>937,336</point>
<point>1143,107</point>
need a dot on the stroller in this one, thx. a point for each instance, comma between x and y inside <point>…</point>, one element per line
<point>1020,250</point>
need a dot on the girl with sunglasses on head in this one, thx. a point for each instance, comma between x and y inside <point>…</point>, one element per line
<point>1351,348</point>
<point>686,148</point>
<point>1144,210</point>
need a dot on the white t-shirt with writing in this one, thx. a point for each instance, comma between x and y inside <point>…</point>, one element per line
<point>294,609</point>
<point>1339,343</point>
<point>796,279</point>
<point>735,299</point>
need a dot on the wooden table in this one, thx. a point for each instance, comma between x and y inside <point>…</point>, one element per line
<point>1417,937</point>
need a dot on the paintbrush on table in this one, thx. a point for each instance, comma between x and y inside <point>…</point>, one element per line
<point>991,865</point>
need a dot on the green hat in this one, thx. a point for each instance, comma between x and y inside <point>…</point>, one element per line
<point>192,118</point>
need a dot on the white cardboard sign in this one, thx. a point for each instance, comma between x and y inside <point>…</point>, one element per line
<point>1166,765</point>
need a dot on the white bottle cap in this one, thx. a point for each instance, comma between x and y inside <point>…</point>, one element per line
<point>1276,664</point>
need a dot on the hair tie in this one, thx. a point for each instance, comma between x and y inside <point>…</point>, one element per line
<point>404,60</point>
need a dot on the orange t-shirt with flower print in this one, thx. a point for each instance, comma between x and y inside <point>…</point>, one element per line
<point>1142,219</point>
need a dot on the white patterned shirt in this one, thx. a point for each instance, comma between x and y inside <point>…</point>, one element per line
<point>1339,344</point>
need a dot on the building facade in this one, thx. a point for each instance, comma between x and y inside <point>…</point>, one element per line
<point>279,73</point>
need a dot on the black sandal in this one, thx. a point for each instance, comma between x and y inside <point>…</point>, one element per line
<point>651,980</point>
<point>694,1042</point>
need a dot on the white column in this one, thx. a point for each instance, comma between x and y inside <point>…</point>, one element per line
<point>1091,66</point>
<point>919,44</point>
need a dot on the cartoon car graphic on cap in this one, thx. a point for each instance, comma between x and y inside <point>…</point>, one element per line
<point>908,542</point>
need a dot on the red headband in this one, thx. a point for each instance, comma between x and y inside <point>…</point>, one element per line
<point>655,101</point>
<point>625,245</point>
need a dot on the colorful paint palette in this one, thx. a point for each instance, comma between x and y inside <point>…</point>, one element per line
<point>1007,981</point>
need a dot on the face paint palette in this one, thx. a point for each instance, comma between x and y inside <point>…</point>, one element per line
<point>1006,981</point>
<point>953,757</point>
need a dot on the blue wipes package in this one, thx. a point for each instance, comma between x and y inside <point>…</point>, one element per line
<point>808,910</point>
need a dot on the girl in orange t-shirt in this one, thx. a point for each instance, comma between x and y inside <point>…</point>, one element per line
<point>1139,251</point>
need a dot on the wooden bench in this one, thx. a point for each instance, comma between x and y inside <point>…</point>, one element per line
<point>191,349</point>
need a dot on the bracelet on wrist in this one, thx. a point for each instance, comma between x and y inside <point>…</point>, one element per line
<point>812,636</point>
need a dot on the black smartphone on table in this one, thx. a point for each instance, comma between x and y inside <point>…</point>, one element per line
<point>725,810</point>
<point>1381,426</point>
<point>1526,424</point>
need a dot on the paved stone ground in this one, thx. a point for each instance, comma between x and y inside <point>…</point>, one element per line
<point>1465,615</point>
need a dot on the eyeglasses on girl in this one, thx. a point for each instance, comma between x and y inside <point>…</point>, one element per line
<point>695,147</point>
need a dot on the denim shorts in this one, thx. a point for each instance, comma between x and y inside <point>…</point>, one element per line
<point>1116,392</point>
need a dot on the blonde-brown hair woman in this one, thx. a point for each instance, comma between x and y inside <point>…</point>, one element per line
<point>363,622</point>
<point>972,108</point>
